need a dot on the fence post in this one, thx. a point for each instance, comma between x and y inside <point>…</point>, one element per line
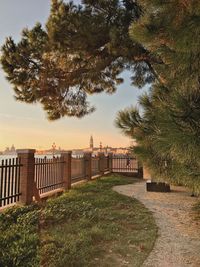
<point>27,173</point>
<point>140,170</point>
<point>66,157</point>
<point>110,161</point>
<point>88,165</point>
<point>101,162</point>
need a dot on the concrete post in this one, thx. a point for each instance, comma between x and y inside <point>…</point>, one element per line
<point>88,165</point>
<point>110,161</point>
<point>101,162</point>
<point>66,157</point>
<point>27,172</point>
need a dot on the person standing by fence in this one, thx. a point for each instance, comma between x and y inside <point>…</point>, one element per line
<point>128,161</point>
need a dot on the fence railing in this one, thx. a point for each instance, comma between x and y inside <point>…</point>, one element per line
<point>27,177</point>
<point>78,169</point>
<point>95,166</point>
<point>48,174</point>
<point>124,163</point>
<point>9,181</point>
<point>106,163</point>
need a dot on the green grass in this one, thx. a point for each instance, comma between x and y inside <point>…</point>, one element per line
<point>89,226</point>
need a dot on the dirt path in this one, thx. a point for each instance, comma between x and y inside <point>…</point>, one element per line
<point>178,244</point>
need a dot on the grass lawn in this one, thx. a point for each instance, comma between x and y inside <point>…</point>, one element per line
<point>89,226</point>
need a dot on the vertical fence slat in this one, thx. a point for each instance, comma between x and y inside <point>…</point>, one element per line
<point>36,173</point>
<point>45,169</point>
<point>19,177</point>
<point>52,174</point>
<point>16,180</point>
<point>43,178</point>
<point>8,181</point>
<point>12,180</point>
<point>1,189</point>
<point>5,181</point>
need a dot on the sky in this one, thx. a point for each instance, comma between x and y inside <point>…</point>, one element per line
<point>26,125</point>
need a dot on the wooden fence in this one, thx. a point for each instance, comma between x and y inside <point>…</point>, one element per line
<point>26,177</point>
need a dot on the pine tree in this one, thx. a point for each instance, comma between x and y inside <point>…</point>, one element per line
<point>168,130</point>
<point>82,51</point>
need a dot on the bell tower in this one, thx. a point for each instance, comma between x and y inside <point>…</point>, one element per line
<point>91,142</point>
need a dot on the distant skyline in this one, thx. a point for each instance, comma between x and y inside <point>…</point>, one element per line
<point>26,126</point>
<point>57,147</point>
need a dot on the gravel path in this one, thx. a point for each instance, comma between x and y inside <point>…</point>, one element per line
<point>178,243</point>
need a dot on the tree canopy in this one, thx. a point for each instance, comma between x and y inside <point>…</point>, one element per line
<point>168,130</point>
<point>82,50</point>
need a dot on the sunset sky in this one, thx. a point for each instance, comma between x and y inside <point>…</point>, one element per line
<point>26,126</point>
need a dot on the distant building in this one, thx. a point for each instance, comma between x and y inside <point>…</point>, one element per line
<point>91,148</point>
<point>78,152</point>
<point>10,151</point>
<point>91,143</point>
<point>100,147</point>
<point>105,149</point>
